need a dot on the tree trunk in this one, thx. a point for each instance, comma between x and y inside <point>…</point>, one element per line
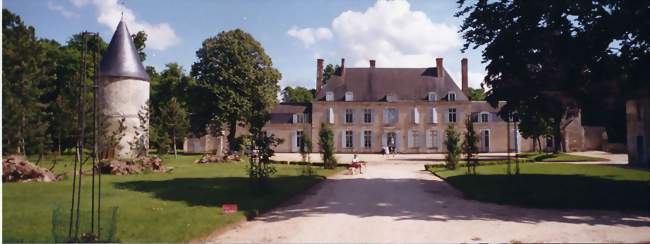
<point>557,136</point>
<point>59,145</point>
<point>174,139</point>
<point>232,144</point>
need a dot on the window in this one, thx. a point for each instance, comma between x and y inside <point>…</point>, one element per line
<point>367,116</point>
<point>434,140</point>
<point>329,96</point>
<point>367,139</point>
<point>413,138</point>
<point>348,96</point>
<point>474,117</point>
<point>299,139</point>
<point>451,116</point>
<point>391,98</point>
<point>432,97</point>
<point>451,96</point>
<point>348,139</point>
<point>349,113</point>
<point>485,117</point>
<point>391,116</point>
<point>299,118</point>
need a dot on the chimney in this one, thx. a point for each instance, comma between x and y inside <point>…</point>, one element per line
<point>439,68</point>
<point>372,63</point>
<point>319,74</point>
<point>342,67</point>
<point>463,75</point>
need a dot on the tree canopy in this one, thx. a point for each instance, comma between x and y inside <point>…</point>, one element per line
<point>236,82</point>
<point>298,94</point>
<point>551,57</point>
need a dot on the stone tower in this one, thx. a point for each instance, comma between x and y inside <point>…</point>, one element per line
<point>123,92</point>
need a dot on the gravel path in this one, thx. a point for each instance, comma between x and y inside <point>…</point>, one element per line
<point>398,202</point>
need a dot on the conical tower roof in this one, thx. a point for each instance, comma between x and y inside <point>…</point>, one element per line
<point>121,58</point>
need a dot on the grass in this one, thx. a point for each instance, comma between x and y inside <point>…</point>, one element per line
<point>565,186</point>
<point>155,207</point>
<point>559,157</point>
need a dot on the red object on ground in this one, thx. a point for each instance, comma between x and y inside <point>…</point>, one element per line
<point>229,208</point>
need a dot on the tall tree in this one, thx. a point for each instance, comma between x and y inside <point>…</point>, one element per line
<point>326,144</point>
<point>174,119</point>
<point>329,70</point>
<point>469,146</point>
<point>238,83</point>
<point>298,94</point>
<point>476,94</point>
<point>140,40</point>
<point>24,76</point>
<point>551,58</point>
<point>452,143</point>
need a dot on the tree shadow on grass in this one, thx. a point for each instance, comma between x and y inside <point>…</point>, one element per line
<point>556,191</point>
<point>214,192</point>
<point>402,199</point>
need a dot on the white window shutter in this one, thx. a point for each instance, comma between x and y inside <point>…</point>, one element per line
<point>343,139</point>
<point>294,142</point>
<point>330,116</point>
<point>447,116</point>
<point>434,116</point>
<point>416,116</point>
<point>385,116</point>
<point>428,141</point>
<point>294,118</point>
<point>384,140</point>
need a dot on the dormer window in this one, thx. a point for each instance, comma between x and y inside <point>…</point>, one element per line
<point>348,96</point>
<point>391,98</point>
<point>484,117</point>
<point>329,96</point>
<point>432,96</point>
<point>451,96</point>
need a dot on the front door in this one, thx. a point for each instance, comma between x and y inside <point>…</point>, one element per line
<point>391,139</point>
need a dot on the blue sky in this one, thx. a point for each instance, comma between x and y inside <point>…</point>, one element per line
<point>293,33</point>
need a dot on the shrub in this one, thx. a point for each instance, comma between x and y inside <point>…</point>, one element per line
<point>326,143</point>
<point>453,149</point>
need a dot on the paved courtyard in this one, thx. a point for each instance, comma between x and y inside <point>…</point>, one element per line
<point>396,201</point>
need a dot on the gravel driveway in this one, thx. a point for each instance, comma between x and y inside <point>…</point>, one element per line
<point>398,202</point>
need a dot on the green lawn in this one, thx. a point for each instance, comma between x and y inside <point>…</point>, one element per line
<point>154,207</point>
<point>559,157</point>
<point>555,186</point>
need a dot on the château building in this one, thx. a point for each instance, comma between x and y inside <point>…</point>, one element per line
<point>369,108</point>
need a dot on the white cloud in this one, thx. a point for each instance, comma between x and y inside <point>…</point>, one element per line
<point>309,36</point>
<point>159,36</point>
<point>62,10</point>
<point>391,33</point>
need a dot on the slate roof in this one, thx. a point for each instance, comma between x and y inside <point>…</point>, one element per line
<point>283,113</point>
<point>374,84</point>
<point>121,58</point>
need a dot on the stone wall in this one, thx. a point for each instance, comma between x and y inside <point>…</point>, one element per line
<point>123,98</point>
